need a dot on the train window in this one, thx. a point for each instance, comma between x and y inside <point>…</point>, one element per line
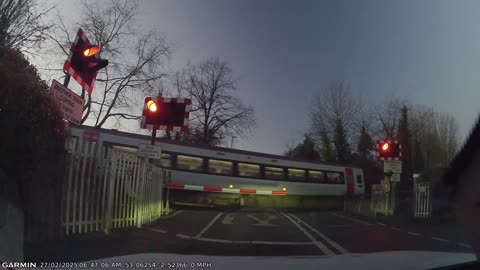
<point>220,167</point>
<point>335,178</point>
<point>249,170</point>
<point>296,175</point>
<point>166,160</point>
<point>189,163</point>
<point>359,179</point>
<point>274,173</point>
<point>316,176</point>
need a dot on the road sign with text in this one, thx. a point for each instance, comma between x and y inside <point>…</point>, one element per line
<point>395,177</point>
<point>69,103</point>
<point>149,151</point>
<point>394,166</point>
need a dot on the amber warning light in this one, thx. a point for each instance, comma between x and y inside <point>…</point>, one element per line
<point>91,51</point>
<point>151,106</point>
<point>385,147</point>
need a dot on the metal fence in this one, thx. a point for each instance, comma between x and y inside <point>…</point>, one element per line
<point>422,203</point>
<point>109,188</point>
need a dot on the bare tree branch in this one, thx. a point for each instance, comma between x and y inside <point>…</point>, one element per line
<point>22,24</point>
<point>217,112</point>
<point>136,58</point>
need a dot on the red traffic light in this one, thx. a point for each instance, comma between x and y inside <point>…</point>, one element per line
<point>389,150</point>
<point>91,50</point>
<point>385,146</point>
<point>151,106</point>
<point>170,114</point>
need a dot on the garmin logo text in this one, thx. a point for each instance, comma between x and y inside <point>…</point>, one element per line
<point>19,265</point>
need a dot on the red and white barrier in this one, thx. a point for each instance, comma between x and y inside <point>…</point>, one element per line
<point>225,190</point>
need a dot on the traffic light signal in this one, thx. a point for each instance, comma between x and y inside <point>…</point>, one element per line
<point>170,114</point>
<point>84,61</point>
<point>389,150</point>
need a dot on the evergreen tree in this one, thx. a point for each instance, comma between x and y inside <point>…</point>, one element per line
<point>342,149</point>
<point>327,152</point>
<point>404,137</point>
<point>418,162</point>
<point>365,145</point>
<point>305,150</point>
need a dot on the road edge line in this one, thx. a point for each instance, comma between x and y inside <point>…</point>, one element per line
<point>204,230</point>
<point>318,244</point>
<point>334,244</point>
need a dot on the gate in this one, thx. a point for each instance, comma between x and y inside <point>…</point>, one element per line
<point>382,201</point>
<point>379,200</point>
<point>109,188</point>
<point>422,203</point>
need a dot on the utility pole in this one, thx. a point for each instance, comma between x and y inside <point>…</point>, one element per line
<point>231,143</point>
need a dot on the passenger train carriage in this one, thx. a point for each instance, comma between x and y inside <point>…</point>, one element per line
<point>226,168</point>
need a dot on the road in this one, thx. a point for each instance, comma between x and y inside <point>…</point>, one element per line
<point>255,232</point>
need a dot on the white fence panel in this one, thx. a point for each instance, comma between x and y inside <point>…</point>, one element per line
<point>109,188</point>
<point>422,200</point>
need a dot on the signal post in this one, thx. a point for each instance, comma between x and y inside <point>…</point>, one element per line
<point>390,152</point>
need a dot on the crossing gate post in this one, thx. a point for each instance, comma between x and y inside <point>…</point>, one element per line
<point>167,176</point>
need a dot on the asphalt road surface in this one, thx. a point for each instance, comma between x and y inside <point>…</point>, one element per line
<point>254,232</point>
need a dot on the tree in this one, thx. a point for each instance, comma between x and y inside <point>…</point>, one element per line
<point>404,137</point>
<point>217,112</point>
<point>33,136</point>
<point>22,24</point>
<point>417,159</point>
<point>436,141</point>
<point>342,149</point>
<point>365,160</point>
<point>305,150</point>
<point>327,153</point>
<point>365,145</point>
<point>333,103</point>
<point>136,59</point>
<point>388,117</point>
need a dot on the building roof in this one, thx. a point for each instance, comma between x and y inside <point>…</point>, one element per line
<point>201,146</point>
<point>464,158</point>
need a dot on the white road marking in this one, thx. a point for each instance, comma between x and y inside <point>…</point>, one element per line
<point>263,222</point>
<point>183,236</point>
<point>214,240</point>
<point>282,243</point>
<point>206,239</point>
<point>395,228</point>
<point>464,245</point>
<point>158,230</point>
<point>382,224</point>
<point>439,239</point>
<point>174,214</point>
<point>330,241</point>
<point>353,219</point>
<point>319,245</point>
<point>416,234</point>
<point>208,225</point>
<point>193,204</point>
<point>228,219</point>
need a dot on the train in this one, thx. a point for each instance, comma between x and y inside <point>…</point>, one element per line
<point>224,169</point>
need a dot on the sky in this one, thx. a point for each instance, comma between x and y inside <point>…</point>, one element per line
<point>284,52</point>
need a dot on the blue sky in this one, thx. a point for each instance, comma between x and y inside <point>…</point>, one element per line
<point>283,52</point>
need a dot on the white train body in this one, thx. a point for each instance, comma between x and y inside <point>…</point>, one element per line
<point>276,173</point>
